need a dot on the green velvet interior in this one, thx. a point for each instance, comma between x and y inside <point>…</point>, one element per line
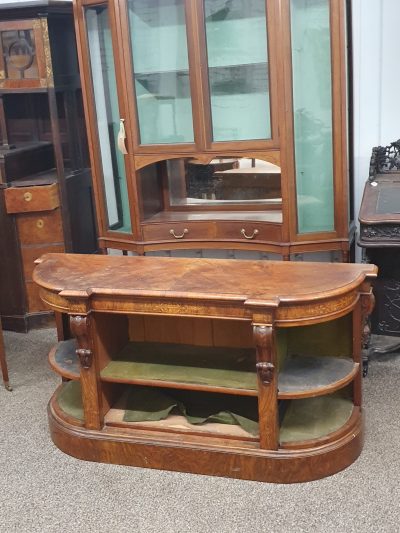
<point>224,367</point>
<point>152,404</point>
<point>313,418</point>
<point>69,399</point>
<point>333,338</point>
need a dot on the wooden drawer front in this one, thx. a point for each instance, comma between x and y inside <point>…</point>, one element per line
<point>40,228</point>
<point>179,231</point>
<point>249,231</point>
<point>31,253</point>
<point>28,199</point>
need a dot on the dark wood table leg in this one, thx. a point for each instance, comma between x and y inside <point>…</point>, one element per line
<point>3,362</point>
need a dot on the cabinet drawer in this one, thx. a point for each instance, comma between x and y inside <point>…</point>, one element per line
<point>249,231</point>
<point>28,199</point>
<point>178,231</point>
<point>40,228</point>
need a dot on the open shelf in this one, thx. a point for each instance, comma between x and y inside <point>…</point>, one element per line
<point>274,216</point>
<point>175,423</point>
<point>305,377</point>
<point>229,370</point>
<point>210,369</point>
<point>69,400</point>
<point>63,359</point>
<point>314,418</point>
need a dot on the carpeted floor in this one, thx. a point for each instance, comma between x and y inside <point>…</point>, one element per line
<point>43,490</point>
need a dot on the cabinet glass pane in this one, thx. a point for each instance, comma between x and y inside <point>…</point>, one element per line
<point>236,33</point>
<point>161,65</point>
<point>107,114</point>
<point>312,102</point>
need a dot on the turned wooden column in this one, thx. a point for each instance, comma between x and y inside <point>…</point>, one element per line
<point>267,379</point>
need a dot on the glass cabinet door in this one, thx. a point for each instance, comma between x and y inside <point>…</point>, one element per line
<point>108,118</point>
<point>237,52</point>
<point>161,71</point>
<point>312,110</point>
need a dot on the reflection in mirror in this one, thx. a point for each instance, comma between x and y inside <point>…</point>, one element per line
<point>19,54</point>
<point>222,181</point>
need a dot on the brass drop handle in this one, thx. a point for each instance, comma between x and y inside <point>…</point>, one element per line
<point>243,232</point>
<point>27,196</point>
<point>172,232</point>
<point>122,137</point>
<point>40,223</point>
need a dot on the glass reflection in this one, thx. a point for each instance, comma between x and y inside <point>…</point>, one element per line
<point>223,181</point>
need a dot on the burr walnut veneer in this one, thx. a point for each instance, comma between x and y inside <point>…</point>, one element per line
<point>274,347</point>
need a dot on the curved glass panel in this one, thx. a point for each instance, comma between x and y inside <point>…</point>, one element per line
<point>107,114</point>
<point>237,52</point>
<point>312,108</point>
<point>161,65</point>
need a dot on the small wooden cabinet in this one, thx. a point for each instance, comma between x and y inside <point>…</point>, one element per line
<point>205,114</point>
<point>245,369</point>
<point>46,199</point>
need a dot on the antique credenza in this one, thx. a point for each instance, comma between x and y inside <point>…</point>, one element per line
<point>245,369</point>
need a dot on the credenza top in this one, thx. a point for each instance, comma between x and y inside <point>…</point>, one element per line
<point>266,282</point>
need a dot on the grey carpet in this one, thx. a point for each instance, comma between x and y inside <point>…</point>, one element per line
<point>44,490</point>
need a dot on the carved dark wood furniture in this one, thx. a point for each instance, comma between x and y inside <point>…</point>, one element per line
<point>380,238</point>
<point>275,346</point>
<point>171,86</point>
<point>45,181</point>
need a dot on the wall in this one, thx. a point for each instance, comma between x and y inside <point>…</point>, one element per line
<point>376,82</point>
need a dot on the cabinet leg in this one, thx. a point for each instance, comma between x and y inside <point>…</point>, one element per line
<point>3,362</point>
<point>267,386</point>
<point>345,256</point>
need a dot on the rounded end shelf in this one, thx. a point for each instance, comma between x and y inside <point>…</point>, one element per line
<point>310,376</point>
<point>64,361</point>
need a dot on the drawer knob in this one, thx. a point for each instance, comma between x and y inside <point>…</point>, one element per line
<point>40,223</point>
<point>172,232</point>
<point>27,196</point>
<point>243,232</point>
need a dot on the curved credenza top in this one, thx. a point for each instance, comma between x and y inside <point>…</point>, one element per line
<point>262,291</point>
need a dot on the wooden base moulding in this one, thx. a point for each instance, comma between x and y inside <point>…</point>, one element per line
<point>244,461</point>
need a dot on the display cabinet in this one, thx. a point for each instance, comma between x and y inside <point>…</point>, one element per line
<point>218,123</point>
<point>245,369</point>
<point>46,199</point>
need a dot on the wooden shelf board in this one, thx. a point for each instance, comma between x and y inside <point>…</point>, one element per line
<point>155,364</point>
<point>179,424</point>
<point>273,216</point>
<point>314,418</point>
<point>304,376</point>
<point>185,367</point>
<point>64,361</point>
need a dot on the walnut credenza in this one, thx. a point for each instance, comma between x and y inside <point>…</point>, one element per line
<point>274,345</point>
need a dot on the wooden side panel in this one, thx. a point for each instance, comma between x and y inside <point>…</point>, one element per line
<point>200,332</point>
<point>110,334</point>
